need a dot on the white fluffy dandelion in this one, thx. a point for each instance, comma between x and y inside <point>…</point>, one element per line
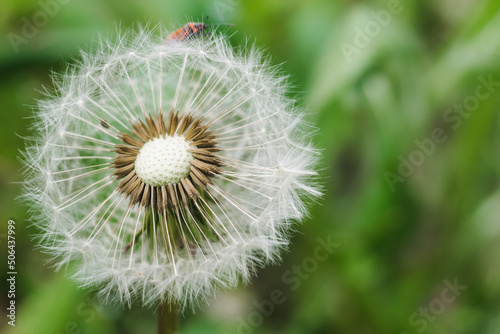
<point>165,171</point>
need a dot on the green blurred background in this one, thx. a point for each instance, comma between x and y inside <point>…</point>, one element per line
<point>410,132</point>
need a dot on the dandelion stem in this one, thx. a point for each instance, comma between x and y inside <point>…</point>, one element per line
<point>168,318</point>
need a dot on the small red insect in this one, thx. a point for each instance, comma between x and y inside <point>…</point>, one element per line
<point>192,30</point>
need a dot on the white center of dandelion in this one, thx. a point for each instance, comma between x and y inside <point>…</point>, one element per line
<point>164,160</point>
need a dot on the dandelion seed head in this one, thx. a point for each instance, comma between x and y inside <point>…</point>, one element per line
<point>164,160</point>
<point>168,171</point>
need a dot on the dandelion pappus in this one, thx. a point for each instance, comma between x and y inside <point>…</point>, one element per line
<point>192,30</point>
